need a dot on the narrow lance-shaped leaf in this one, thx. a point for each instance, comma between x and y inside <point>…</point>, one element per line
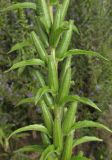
<point>55,36</point>
<point>20,45</point>
<point>87,123</point>
<point>46,153</point>
<point>85,139</point>
<point>39,77</point>
<point>26,63</point>
<point>75,29</point>
<point>41,92</point>
<point>52,73</point>
<point>30,148</point>
<point>65,5</point>
<point>65,66</point>
<point>65,80</point>
<point>80,99</point>
<point>23,5</point>
<point>82,52</point>
<point>57,129</point>
<point>25,100</point>
<point>47,116</point>
<point>53,2</point>
<point>45,139</point>
<point>39,46</point>
<point>65,42</point>
<point>46,13</point>
<point>33,127</point>
<point>69,117</point>
<point>44,24</point>
<point>57,18</point>
<point>57,134</point>
<point>80,156</point>
<point>67,153</point>
<point>41,32</point>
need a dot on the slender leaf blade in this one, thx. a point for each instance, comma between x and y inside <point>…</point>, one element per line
<point>47,116</point>
<point>23,5</point>
<point>33,127</point>
<point>46,153</point>
<point>25,63</point>
<point>87,123</point>
<point>25,100</point>
<point>86,139</point>
<point>19,46</point>
<point>39,46</point>
<point>46,13</point>
<point>65,5</point>
<point>41,92</point>
<point>82,52</point>
<point>80,99</point>
<point>30,148</point>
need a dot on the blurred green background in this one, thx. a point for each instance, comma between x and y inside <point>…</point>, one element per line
<point>93,77</point>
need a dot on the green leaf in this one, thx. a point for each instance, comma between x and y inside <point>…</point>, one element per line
<point>65,4</point>
<point>55,36</point>
<point>25,100</point>
<point>47,116</point>
<point>40,79</point>
<point>67,152</point>
<point>80,156</point>
<point>65,41</point>
<point>33,127</point>
<point>69,117</point>
<point>53,2</point>
<point>52,73</point>
<point>41,92</point>
<point>87,123</point>
<point>21,6</point>
<point>26,63</point>
<point>44,24</point>
<point>39,46</point>
<point>41,32</point>
<point>57,134</point>
<point>19,46</point>
<point>75,29</point>
<point>57,18</point>
<point>46,153</point>
<point>46,13</point>
<point>80,99</point>
<point>2,136</point>
<point>82,52</point>
<point>45,139</point>
<point>85,139</point>
<point>65,79</point>
<point>30,148</point>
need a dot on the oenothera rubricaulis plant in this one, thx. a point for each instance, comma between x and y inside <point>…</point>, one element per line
<point>52,70</point>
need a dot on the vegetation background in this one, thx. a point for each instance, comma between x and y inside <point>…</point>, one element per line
<point>93,78</point>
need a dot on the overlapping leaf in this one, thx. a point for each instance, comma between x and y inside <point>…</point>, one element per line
<point>41,92</point>
<point>20,45</point>
<point>85,139</point>
<point>46,153</point>
<point>87,123</point>
<point>33,127</point>
<point>25,100</point>
<point>23,5</point>
<point>26,63</point>
<point>31,148</point>
<point>80,99</point>
<point>82,52</point>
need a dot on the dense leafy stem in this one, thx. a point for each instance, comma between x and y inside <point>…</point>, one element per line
<point>53,96</point>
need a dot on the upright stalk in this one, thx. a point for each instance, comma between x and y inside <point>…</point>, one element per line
<point>58,106</point>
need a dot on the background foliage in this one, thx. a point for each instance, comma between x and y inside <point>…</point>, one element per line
<point>93,78</point>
